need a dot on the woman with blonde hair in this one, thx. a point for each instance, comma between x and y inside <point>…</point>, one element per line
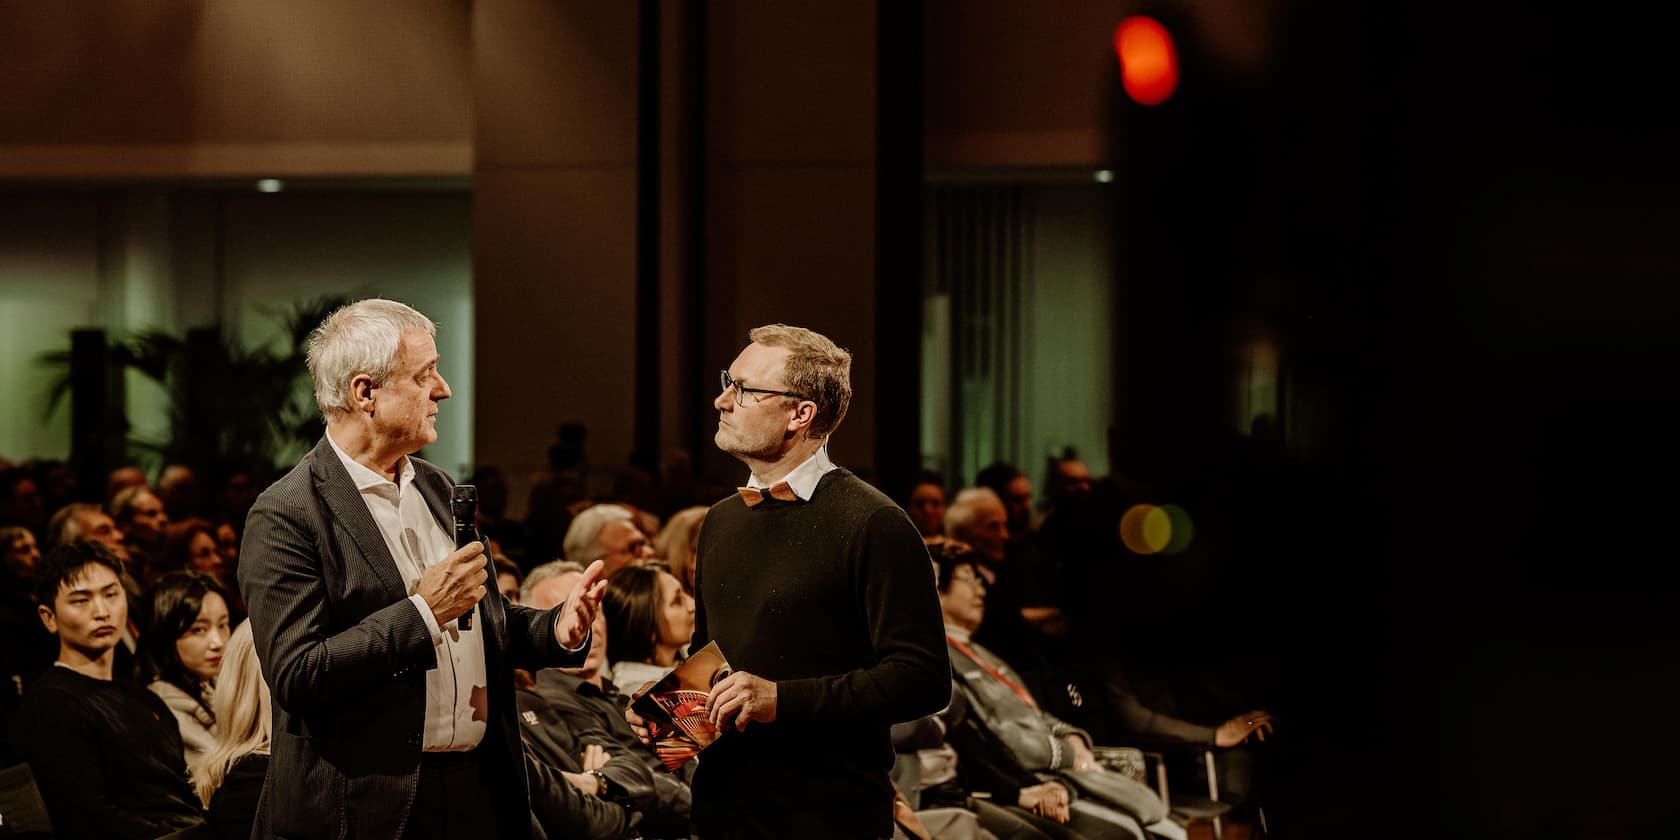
<point>677,541</point>
<point>229,779</point>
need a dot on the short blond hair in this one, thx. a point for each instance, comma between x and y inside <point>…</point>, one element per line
<point>816,368</point>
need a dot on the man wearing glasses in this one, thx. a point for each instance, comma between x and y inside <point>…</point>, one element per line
<point>819,592</point>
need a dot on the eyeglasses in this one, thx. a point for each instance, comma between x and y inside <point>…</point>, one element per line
<point>741,391</point>
<point>971,579</point>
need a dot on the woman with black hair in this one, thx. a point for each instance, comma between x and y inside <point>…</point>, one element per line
<point>184,652</point>
<point>650,620</point>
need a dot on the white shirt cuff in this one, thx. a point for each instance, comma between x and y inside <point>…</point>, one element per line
<point>587,638</point>
<point>426,616</point>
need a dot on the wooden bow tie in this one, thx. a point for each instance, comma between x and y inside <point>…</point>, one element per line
<point>779,491</point>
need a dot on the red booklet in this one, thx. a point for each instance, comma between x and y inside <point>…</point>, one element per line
<point>674,707</point>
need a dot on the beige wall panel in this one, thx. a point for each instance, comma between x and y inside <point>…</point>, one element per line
<point>554,277</point>
<point>791,82</point>
<point>555,84</point>
<point>1019,84</point>
<point>142,88</point>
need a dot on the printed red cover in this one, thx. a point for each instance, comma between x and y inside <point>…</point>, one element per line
<point>674,707</point>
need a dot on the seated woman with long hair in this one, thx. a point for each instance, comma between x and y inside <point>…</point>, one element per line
<point>650,620</point>
<point>184,648</point>
<point>677,543</point>
<point>229,778</point>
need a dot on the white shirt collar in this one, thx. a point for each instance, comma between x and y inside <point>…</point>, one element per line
<point>957,633</point>
<point>803,480</point>
<point>366,479</point>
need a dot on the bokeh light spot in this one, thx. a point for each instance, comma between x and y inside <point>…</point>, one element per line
<point>1132,529</point>
<point>1151,529</point>
<point>1148,60</point>
<point>1183,530</point>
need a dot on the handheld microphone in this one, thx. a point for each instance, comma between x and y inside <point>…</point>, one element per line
<point>463,505</point>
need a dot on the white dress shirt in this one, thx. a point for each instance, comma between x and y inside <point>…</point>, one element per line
<point>803,480</point>
<point>457,700</point>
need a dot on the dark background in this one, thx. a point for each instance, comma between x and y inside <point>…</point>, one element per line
<point>1460,223</point>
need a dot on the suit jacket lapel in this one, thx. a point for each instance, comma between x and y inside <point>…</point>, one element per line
<point>333,484</point>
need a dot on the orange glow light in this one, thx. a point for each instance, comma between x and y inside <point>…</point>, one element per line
<point>1148,60</point>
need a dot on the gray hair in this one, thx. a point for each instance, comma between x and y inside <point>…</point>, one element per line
<point>362,337</point>
<point>545,572</point>
<point>122,504</point>
<point>965,509</point>
<point>579,544</point>
<point>66,525</point>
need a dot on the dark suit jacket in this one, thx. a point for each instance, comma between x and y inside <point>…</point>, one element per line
<point>346,654</point>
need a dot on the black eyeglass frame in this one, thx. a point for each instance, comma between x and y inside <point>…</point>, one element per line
<point>741,391</point>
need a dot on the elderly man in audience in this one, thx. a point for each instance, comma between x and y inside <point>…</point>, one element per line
<point>106,755</point>
<point>589,702</point>
<point>607,533</point>
<point>978,518</point>
<point>1007,731</point>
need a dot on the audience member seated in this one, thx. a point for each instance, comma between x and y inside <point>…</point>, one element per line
<point>931,782</point>
<point>1014,489</point>
<point>1007,735</point>
<point>192,546</point>
<point>925,504</point>
<point>105,754</point>
<point>82,521</point>
<point>650,620</point>
<point>607,533</point>
<point>586,699</point>
<point>27,649</point>
<point>227,548</point>
<point>179,489</point>
<point>564,811</point>
<point>677,543</point>
<point>141,518</point>
<point>508,575</point>
<point>122,477</point>
<point>978,518</point>
<point>588,760</point>
<point>229,777</point>
<point>184,652</point>
<point>20,500</point>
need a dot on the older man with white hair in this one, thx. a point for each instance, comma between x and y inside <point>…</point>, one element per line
<point>607,533</point>
<point>391,717</point>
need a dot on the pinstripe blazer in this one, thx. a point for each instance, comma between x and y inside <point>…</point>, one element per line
<point>346,653</point>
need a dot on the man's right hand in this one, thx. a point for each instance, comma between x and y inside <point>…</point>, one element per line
<point>451,587</point>
<point>1237,729</point>
<point>1049,800</point>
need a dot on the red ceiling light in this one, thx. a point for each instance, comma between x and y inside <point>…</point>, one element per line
<point>1148,60</point>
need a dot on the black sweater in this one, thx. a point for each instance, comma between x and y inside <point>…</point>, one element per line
<point>833,599</point>
<point>106,756</point>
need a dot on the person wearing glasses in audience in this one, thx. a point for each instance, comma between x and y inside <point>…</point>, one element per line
<point>607,533</point>
<point>818,591</point>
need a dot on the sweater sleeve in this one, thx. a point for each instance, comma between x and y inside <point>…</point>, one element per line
<point>911,674</point>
